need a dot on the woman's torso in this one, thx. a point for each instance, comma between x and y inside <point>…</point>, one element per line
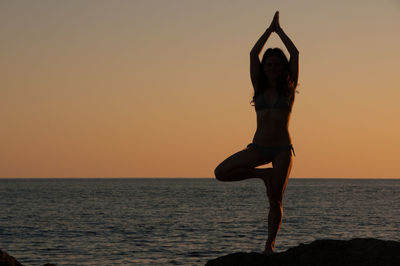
<point>273,114</point>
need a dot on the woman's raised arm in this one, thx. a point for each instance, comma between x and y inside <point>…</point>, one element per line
<point>294,53</point>
<point>261,42</point>
<point>255,65</point>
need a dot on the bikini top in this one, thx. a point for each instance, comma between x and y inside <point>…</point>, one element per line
<point>282,102</point>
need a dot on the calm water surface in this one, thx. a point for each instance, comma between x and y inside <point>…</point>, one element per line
<point>182,221</point>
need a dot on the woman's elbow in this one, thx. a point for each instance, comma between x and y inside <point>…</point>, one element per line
<point>253,52</point>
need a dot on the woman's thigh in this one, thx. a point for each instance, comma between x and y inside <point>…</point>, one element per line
<point>247,158</point>
<point>282,164</point>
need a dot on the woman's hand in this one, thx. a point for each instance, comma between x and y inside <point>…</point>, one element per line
<point>275,26</point>
<point>273,22</point>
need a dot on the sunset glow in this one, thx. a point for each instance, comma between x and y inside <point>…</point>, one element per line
<point>162,88</point>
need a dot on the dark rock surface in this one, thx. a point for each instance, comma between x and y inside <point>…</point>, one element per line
<point>7,260</point>
<point>354,252</point>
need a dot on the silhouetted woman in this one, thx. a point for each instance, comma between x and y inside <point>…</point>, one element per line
<point>274,80</point>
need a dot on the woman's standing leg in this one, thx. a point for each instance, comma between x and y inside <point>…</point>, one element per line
<point>275,186</point>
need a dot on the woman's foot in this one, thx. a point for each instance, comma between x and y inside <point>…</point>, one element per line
<point>265,180</point>
<point>268,252</point>
<point>269,249</point>
<point>265,174</point>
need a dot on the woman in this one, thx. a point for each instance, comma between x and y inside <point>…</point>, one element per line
<point>274,80</point>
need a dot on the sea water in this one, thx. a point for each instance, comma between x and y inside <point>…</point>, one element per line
<point>182,221</point>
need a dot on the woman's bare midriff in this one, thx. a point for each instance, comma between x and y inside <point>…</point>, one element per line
<point>272,127</point>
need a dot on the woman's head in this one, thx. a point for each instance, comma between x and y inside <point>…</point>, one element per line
<point>275,65</point>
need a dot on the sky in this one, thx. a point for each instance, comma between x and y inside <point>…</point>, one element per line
<point>155,88</point>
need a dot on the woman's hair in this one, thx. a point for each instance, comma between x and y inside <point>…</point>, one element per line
<point>286,85</point>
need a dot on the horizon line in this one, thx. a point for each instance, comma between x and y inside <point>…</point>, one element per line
<point>187,178</point>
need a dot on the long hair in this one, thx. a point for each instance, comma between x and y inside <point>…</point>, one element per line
<point>286,85</point>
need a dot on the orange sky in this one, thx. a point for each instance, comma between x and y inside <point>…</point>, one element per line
<point>159,88</point>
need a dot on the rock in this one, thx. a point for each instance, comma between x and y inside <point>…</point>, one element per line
<point>240,258</point>
<point>7,260</point>
<point>326,252</point>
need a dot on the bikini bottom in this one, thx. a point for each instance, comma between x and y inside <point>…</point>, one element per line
<point>270,152</point>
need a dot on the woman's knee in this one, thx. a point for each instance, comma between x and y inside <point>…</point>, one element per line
<point>242,159</point>
<point>220,173</point>
<point>223,172</point>
<point>217,173</point>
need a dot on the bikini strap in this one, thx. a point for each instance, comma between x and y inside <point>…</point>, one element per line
<point>291,147</point>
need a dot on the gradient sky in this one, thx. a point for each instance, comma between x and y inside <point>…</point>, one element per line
<point>155,88</point>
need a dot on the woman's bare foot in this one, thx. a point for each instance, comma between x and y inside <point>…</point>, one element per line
<point>268,252</point>
<point>269,249</point>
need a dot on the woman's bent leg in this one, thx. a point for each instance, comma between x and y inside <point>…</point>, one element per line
<point>246,173</point>
<point>241,165</point>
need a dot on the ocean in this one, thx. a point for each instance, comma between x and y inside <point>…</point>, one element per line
<point>182,221</point>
